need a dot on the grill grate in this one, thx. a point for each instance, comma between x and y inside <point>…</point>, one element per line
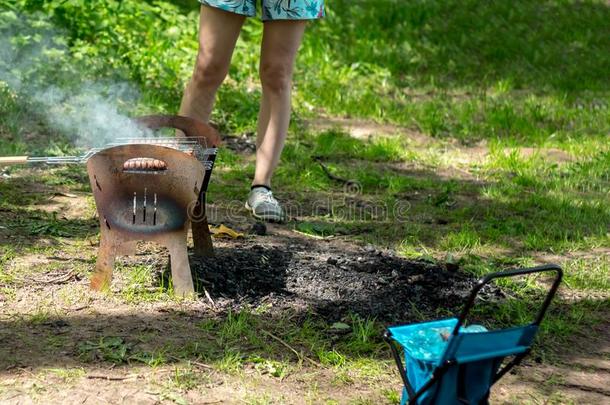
<point>195,146</point>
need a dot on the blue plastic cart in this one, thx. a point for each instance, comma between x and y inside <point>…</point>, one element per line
<point>465,365</point>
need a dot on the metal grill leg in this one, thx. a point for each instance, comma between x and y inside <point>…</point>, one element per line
<point>202,239</point>
<point>105,264</point>
<point>181,271</point>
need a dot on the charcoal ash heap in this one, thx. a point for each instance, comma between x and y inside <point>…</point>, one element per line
<point>367,282</point>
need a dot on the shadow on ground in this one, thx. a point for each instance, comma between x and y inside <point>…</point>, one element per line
<point>170,335</point>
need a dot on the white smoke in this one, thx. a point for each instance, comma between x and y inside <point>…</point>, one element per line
<point>90,117</point>
<point>36,64</point>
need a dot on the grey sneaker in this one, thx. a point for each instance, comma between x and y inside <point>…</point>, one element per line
<point>264,206</point>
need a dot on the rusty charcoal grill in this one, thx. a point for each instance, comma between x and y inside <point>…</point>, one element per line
<point>152,189</point>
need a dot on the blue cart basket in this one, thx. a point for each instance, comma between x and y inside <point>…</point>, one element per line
<point>462,369</point>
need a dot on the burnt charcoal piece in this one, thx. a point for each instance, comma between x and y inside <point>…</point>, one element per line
<point>332,261</point>
<point>258,228</point>
<point>452,267</point>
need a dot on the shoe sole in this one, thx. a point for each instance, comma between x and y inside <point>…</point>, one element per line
<point>270,218</point>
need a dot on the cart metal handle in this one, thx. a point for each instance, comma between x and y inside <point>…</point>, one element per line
<point>387,336</point>
<point>436,374</point>
<point>441,369</point>
<point>513,273</point>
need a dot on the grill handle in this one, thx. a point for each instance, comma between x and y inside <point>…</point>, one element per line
<point>13,160</point>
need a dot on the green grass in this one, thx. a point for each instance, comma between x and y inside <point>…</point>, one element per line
<point>67,374</point>
<point>588,274</point>
<point>111,349</point>
<point>142,285</point>
<point>185,378</point>
<point>446,75</point>
<point>336,144</point>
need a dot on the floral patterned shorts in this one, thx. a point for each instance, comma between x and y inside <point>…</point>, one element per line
<point>272,9</point>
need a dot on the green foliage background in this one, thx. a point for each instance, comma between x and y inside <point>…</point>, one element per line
<point>468,69</point>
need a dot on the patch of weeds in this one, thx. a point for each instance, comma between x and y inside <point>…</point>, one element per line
<point>362,401</point>
<point>69,295</point>
<point>322,229</point>
<point>364,337</point>
<point>342,376</point>
<point>262,309</point>
<point>116,350</point>
<point>185,379</point>
<point>167,394</point>
<point>49,224</point>
<point>7,294</point>
<point>331,358</point>
<point>569,321</point>
<point>73,176</point>
<point>203,348</point>
<point>270,367</point>
<point>68,374</point>
<point>149,336</point>
<point>54,342</point>
<point>240,326</point>
<point>7,253</point>
<point>391,395</point>
<point>335,144</point>
<point>259,399</point>
<point>432,118</point>
<point>37,388</point>
<point>15,195</point>
<point>208,325</point>
<point>313,392</point>
<point>25,267</point>
<point>588,274</point>
<point>446,197</point>
<point>40,315</point>
<point>230,362</point>
<point>367,368</point>
<point>6,278</point>
<point>544,207</point>
<point>413,248</point>
<point>309,334</point>
<point>153,359</point>
<point>139,284</point>
<point>465,239</point>
<point>480,266</point>
<point>108,348</point>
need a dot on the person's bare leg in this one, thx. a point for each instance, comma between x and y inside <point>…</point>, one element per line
<point>218,33</point>
<point>281,41</point>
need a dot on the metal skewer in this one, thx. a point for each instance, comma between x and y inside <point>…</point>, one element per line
<point>189,145</point>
